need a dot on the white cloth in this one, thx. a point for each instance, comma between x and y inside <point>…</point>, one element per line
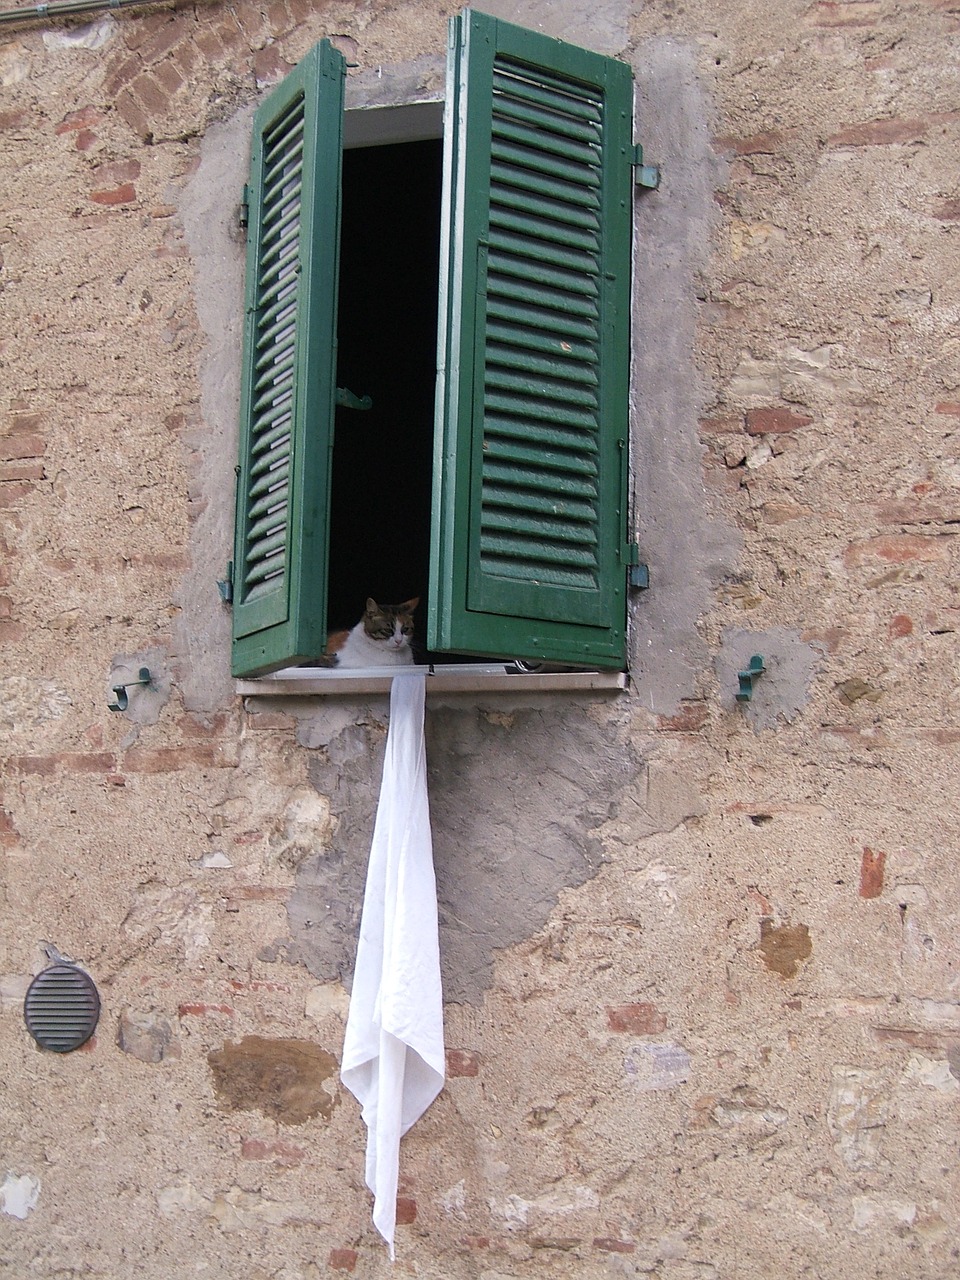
<point>393,1061</point>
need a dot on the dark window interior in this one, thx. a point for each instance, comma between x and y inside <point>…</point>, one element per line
<point>387,349</point>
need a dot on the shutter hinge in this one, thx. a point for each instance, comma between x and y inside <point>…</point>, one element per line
<point>646,176</point>
<point>225,585</point>
<point>638,574</point>
<point>243,213</point>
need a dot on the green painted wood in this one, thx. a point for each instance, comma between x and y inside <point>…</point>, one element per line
<point>532,408</point>
<point>287,398</point>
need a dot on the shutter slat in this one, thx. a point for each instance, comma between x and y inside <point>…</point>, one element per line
<point>534,249</point>
<point>540,89</point>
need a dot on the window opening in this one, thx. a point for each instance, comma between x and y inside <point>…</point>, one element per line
<point>387,348</point>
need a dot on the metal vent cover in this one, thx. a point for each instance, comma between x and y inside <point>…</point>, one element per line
<point>62,1008</point>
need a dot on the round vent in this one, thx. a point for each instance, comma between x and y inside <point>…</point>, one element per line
<point>61,1008</point>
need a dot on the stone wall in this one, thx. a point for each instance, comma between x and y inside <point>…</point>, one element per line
<point>699,955</point>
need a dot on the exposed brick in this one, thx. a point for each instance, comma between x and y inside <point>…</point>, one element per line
<point>12,119</point>
<point>691,717</point>
<point>117,171</point>
<point>195,755</point>
<point>74,121</point>
<point>611,1245</point>
<point>276,1151</point>
<point>732,425</point>
<point>19,444</point>
<point>641,1019</point>
<point>14,492</point>
<point>406,1211</point>
<point>900,626</point>
<point>168,76</point>
<point>871,873</point>
<point>879,133</point>
<point>70,761</point>
<point>948,210</point>
<point>462,1062</point>
<point>153,97</point>
<point>9,836</point>
<point>132,112</point>
<point>914,1039</point>
<point>27,422</point>
<point>849,13</point>
<point>917,511</point>
<point>773,420</point>
<point>342,1259</point>
<point>85,139</point>
<point>202,1010</point>
<point>161,42</point>
<point>268,66</point>
<point>21,471</point>
<point>126,194</point>
<point>949,407</point>
<point>894,548</point>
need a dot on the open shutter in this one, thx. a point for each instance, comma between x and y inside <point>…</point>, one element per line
<point>287,398</point>
<point>532,408</point>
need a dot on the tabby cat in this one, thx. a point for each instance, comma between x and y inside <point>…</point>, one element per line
<point>381,638</point>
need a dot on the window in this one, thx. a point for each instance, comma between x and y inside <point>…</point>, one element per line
<point>521,493</point>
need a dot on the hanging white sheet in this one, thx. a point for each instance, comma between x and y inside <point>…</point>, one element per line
<point>393,1061</point>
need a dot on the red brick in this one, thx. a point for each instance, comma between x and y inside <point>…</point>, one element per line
<point>640,1019</point>
<point>406,1211</point>
<point>12,119</point>
<point>132,113</point>
<point>203,1010</point>
<point>21,471</point>
<point>879,133</point>
<point>74,121</point>
<point>118,171</point>
<point>342,1259</point>
<point>951,408</point>
<point>948,211</point>
<point>168,76</point>
<point>849,13</point>
<point>85,139</point>
<point>119,195</point>
<point>14,492</point>
<point>121,72</point>
<point>732,425</point>
<point>9,836</point>
<point>871,873</point>
<point>171,759</point>
<point>462,1062</point>
<point>25,422</point>
<point>277,1151</point>
<point>773,420</point>
<point>917,511</point>
<point>691,717</point>
<point>268,66</point>
<point>901,625</point>
<point>896,548</point>
<point>610,1245</point>
<point>161,42</point>
<point>71,761</point>
<point>153,97</point>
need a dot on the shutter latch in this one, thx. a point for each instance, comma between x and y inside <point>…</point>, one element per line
<point>646,176</point>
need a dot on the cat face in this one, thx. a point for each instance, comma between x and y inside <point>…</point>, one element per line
<point>390,624</point>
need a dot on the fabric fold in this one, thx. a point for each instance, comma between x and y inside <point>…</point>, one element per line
<point>393,1059</point>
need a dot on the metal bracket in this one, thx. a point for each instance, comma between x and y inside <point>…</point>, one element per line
<point>120,690</point>
<point>748,678</point>
<point>646,176</point>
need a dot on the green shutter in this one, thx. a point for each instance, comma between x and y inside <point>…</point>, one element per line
<point>532,409</point>
<point>287,399</point>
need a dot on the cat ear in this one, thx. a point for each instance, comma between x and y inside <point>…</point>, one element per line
<point>408,606</point>
<point>372,606</point>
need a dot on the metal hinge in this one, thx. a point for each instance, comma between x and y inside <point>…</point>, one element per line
<point>638,574</point>
<point>646,176</point>
<point>243,214</point>
<point>225,585</point>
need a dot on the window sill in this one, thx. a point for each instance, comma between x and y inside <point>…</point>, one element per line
<point>455,678</point>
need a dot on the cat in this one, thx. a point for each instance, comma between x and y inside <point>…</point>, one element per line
<point>381,638</point>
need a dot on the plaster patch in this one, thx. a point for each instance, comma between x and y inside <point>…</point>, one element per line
<point>783,690</point>
<point>286,1080</point>
<point>19,1195</point>
<point>515,805</point>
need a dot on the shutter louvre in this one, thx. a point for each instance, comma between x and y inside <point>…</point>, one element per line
<point>534,350</point>
<point>287,400</point>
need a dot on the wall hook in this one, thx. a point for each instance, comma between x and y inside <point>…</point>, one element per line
<point>754,671</point>
<point>120,690</point>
